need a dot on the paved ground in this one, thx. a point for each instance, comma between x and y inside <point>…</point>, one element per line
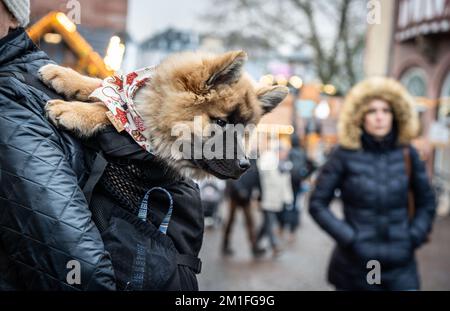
<point>302,265</point>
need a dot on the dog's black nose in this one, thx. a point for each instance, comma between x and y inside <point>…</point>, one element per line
<point>244,164</point>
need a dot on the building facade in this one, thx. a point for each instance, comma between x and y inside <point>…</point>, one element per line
<point>421,47</point>
<point>96,21</point>
<point>412,45</point>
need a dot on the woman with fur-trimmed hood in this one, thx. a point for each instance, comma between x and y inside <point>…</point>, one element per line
<point>369,167</point>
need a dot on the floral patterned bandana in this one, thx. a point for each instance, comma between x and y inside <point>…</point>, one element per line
<point>117,93</point>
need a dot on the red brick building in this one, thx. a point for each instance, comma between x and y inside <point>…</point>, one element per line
<point>94,14</point>
<point>421,47</point>
<point>412,44</point>
<point>96,20</point>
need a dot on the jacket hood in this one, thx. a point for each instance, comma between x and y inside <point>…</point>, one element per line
<point>402,103</point>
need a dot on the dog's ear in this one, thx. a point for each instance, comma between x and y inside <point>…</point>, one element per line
<point>226,68</point>
<point>271,96</point>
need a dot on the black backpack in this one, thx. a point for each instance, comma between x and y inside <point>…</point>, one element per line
<point>144,257</point>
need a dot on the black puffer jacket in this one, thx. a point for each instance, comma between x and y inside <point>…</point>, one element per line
<point>374,189</point>
<point>44,218</point>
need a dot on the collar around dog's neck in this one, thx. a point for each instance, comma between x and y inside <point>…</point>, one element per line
<point>117,93</point>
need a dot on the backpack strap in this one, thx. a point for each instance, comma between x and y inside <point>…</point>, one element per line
<point>190,261</point>
<point>38,84</point>
<point>12,74</point>
<point>97,169</point>
<point>143,210</point>
<point>33,81</point>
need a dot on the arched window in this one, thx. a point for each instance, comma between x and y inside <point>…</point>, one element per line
<point>442,157</point>
<point>445,91</point>
<point>415,81</point>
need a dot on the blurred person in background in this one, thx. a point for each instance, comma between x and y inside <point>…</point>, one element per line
<point>240,194</point>
<point>212,191</point>
<point>375,167</point>
<point>301,168</point>
<point>274,170</point>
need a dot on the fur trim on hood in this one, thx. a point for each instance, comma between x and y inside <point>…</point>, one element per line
<point>353,111</point>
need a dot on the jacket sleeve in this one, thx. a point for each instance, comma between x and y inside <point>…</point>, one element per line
<point>424,200</point>
<point>328,180</point>
<point>46,228</point>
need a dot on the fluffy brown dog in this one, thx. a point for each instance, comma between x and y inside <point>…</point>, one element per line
<point>182,87</point>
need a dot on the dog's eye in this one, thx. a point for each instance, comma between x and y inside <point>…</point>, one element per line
<point>220,122</point>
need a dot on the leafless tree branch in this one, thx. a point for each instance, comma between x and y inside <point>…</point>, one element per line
<point>277,20</point>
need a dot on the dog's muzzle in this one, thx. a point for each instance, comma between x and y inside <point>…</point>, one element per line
<point>224,169</point>
<point>224,166</point>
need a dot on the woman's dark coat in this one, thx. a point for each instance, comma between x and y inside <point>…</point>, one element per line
<point>373,183</point>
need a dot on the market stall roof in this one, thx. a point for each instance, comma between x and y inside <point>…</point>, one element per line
<point>57,22</point>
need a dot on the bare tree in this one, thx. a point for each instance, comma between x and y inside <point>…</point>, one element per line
<point>333,30</point>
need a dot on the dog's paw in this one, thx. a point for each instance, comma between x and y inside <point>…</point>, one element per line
<point>61,79</point>
<point>56,111</point>
<point>64,115</point>
<point>79,118</point>
<point>68,82</point>
<point>55,77</point>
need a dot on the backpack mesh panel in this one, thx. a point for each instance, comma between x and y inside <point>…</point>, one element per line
<point>126,183</point>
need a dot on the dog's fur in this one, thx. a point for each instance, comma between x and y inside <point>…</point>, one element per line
<point>184,86</point>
